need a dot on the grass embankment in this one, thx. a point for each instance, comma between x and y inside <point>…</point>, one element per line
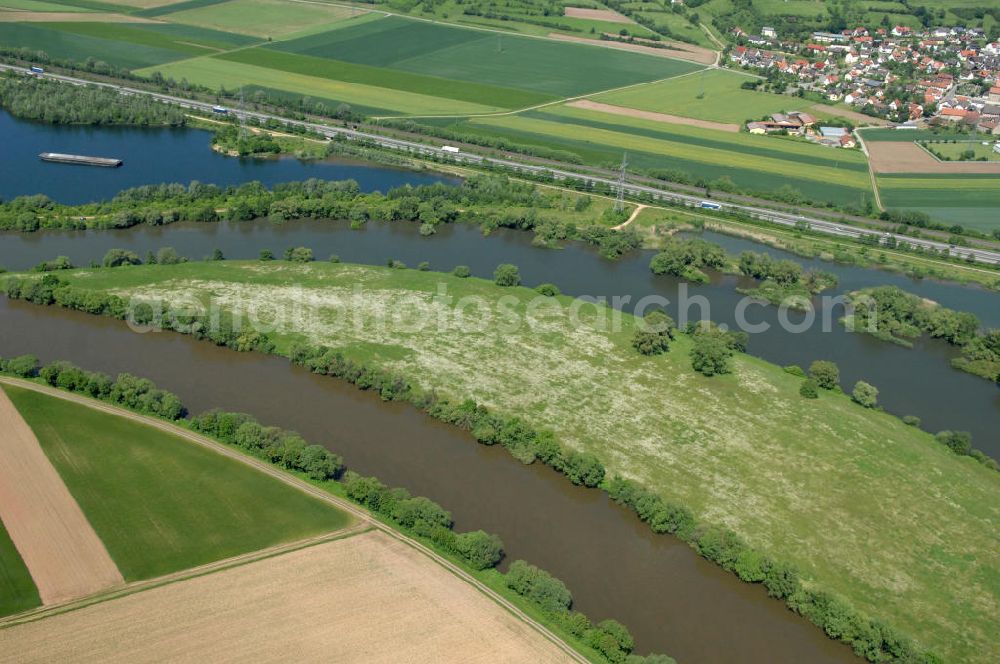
<point>864,505</point>
<point>17,590</point>
<point>161,504</point>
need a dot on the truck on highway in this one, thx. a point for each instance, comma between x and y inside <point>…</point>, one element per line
<point>221,110</point>
<point>709,205</point>
<point>37,70</point>
<point>449,148</point>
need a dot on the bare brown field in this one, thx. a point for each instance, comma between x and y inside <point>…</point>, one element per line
<point>365,598</point>
<point>908,157</point>
<point>589,105</point>
<point>596,14</point>
<point>58,545</point>
<point>677,50</point>
<point>14,16</point>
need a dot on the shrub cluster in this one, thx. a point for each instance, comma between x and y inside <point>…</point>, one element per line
<point>283,448</point>
<point>128,391</point>
<point>685,258</point>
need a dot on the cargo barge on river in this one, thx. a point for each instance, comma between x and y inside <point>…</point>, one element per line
<point>80,159</point>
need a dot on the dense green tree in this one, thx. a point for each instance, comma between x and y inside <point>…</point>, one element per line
<point>548,290</point>
<point>865,394</point>
<point>538,585</point>
<point>482,550</point>
<point>710,354</point>
<point>507,275</point>
<point>117,257</point>
<point>808,389</point>
<point>826,374</point>
<point>462,271</point>
<point>959,442</point>
<point>583,468</point>
<point>653,333</point>
<point>299,254</point>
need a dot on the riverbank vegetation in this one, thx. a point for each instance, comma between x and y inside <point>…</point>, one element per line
<point>787,484</point>
<point>543,596</point>
<point>891,314</point>
<point>57,103</point>
<point>488,201</point>
<point>782,281</point>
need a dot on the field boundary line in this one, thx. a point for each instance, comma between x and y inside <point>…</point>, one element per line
<point>556,102</point>
<point>306,487</point>
<point>134,587</point>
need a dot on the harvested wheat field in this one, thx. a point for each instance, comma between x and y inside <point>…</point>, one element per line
<point>589,105</point>
<point>367,598</point>
<point>62,552</point>
<point>908,157</point>
<point>596,14</point>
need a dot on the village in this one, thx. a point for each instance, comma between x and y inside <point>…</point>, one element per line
<point>940,77</point>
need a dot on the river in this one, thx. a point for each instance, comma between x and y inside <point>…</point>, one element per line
<point>671,599</point>
<point>152,156</point>
<point>917,381</point>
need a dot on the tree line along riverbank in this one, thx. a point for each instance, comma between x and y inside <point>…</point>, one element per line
<point>368,367</point>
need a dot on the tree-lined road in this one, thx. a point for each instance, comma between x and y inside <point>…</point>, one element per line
<point>637,190</point>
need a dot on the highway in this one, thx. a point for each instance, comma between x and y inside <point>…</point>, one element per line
<point>637,190</point>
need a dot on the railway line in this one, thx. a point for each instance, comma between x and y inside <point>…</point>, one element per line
<point>642,191</point>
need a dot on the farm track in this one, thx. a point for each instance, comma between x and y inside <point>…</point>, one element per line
<point>293,481</point>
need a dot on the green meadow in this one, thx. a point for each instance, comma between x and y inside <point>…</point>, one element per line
<point>971,200</point>
<point>708,95</point>
<point>466,56</point>
<point>17,590</point>
<point>216,72</point>
<point>62,41</point>
<point>161,503</point>
<point>487,96</point>
<point>260,18</point>
<point>862,504</point>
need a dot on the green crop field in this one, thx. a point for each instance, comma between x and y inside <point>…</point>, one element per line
<point>864,505</point>
<point>969,200</point>
<point>216,72</point>
<point>262,18</point>
<point>486,96</point>
<point>954,151</point>
<point>475,56</point>
<point>40,6</point>
<point>17,590</point>
<point>161,503</point>
<point>59,43</point>
<point>709,95</point>
<point>185,40</point>
<point>756,163</point>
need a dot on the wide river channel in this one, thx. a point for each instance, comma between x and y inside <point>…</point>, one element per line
<point>672,600</point>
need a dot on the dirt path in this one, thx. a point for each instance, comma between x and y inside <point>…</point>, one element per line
<point>304,486</point>
<point>58,545</point>
<point>632,217</point>
<point>589,105</point>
